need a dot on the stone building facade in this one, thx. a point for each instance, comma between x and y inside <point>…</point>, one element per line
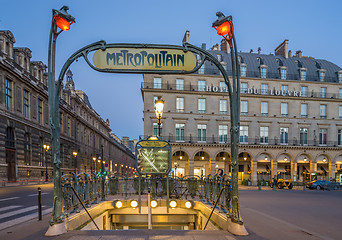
<point>291,116</point>
<point>25,128</point>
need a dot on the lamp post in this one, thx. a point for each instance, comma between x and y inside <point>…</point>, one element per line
<point>159,108</point>
<point>103,179</point>
<point>74,153</point>
<point>94,159</point>
<point>46,148</point>
<point>224,27</point>
<point>60,19</point>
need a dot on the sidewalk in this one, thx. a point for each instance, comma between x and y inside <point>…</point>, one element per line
<point>4,184</point>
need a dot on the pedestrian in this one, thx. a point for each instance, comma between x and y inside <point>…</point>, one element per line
<point>220,172</point>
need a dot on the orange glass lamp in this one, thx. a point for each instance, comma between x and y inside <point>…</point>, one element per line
<point>63,19</point>
<point>224,26</point>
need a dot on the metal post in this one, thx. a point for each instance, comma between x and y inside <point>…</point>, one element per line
<point>39,204</point>
<point>46,168</point>
<point>103,195</point>
<point>149,210</point>
<point>159,123</point>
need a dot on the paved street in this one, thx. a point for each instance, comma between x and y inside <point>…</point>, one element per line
<point>19,203</point>
<point>292,214</point>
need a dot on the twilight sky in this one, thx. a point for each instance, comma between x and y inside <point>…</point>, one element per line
<point>313,26</point>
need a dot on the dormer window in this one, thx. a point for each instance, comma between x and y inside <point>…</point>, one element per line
<point>339,76</point>
<point>302,74</point>
<point>283,73</point>
<point>321,74</point>
<point>263,71</point>
<point>243,70</point>
<point>219,57</point>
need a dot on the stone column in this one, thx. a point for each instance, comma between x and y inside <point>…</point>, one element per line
<point>313,168</point>
<point>226,166</point>
<point>332,170</point>
<point>254,176</point>
<point>274,169</point>
<point>190,168</point>
<point>293,171</point>
<point>212,166</point>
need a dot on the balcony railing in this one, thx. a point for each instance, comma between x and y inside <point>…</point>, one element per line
<point>211,88</point>
<point>249,141</point>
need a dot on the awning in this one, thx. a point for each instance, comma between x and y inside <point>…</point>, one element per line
<point>281,168</point>
<point>261,168</point>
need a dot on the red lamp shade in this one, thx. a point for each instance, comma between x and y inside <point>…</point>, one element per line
<point>223,29</point>
<point>62,23</point>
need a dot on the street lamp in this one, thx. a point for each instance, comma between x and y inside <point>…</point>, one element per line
<point>159,108</point>
<point>46,148</point>
<point>74,153</point>
<point>94,159</point>
<point>224,28</point>
<point>60,19</point>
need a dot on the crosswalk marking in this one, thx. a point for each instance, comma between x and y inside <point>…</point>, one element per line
<point>9,214</point>
<point>23,219</point>
<point>6,199</point>
<point>9,207</point>
<point>36,194</point>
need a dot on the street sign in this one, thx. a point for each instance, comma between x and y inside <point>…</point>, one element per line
<point>158,59</point>
<point>153,156</point>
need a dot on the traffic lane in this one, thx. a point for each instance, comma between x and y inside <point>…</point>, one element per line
<point>316,211</point>
<point>26,195</point>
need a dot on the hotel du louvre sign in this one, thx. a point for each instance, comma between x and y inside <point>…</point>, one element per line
<point>255,91</point>
<point>130,58</point>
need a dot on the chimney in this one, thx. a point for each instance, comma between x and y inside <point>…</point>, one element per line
<point>290,53</point>
<point>251,51</point>
<point>225,46</point>
<point>204,46</point>
<point>259,50</point>
<point>299,53</point>
<point>186,37</point>
<point>282,49</point>
<point>215,47</point>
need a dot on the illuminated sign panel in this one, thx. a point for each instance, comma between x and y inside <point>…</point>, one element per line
<point>153,156</point>
<point>144,59</point>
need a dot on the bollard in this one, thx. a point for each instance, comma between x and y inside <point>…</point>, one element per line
<point>39,204</point>
<point>274,186</point>
<point>304,188</point>
<point>259,187</point>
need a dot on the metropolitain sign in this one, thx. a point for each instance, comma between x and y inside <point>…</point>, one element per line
<point>144,59</point>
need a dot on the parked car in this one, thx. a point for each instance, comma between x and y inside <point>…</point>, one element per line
<point>322,184</point>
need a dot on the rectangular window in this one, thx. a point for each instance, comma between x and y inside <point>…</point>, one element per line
<point>201,70</point>
<point>179,84</point>
<point>264,135</point>
<point>321,76</point>
<point>223,106</point>
<point>179,104</point>
<point>40,111</point>
<point>179,131</point>
<point>304,110</point>
<point>243,88</point>
<point>263,72</point>
<point>201,85</point>
<point>157,82</point>
<point>323,111</point>
<point>284,90</point>
<point>9,94</point>
<point>244,107</point>
<point>201,105</point>
<point>340,93</point>
<point>264,88</point>
<point>303,136</point>
<point>243,134</point>
<point>201,132</point>
<point>284,107</point>
<point>323,92</point>
<point>284,135</point>
<point>243,71</point>
<point>155,129</point>
<point>26,104</point>
<point>69,127</point>
<point>219,57</point>
<point>340,112</point>
<point>339,137</point>
<point>264,108</point>
<point>322,136</point>
<point>223,87</point>
<point>304,91</point>
<point>223,133</point>
<point>283,73</point>
<point>339,77</point>
<point>302,75</point>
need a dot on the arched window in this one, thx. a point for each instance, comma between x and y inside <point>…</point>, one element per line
<point>10,138</point>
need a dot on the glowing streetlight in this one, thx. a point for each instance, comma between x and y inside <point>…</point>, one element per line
<point>159,108</point>
<point>46,148</point>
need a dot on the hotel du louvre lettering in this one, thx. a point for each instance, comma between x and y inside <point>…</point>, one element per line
<point>144,59</point>
<point>274,92</point>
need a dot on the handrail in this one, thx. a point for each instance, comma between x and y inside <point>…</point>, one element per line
<point>217,200</point>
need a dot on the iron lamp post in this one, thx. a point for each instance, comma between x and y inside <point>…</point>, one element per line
<point>224,28</point>
<point>159,108</point>
<point>60,19</point>
<point>46,148</point>
<point>74,153</point>
<point>94,159</point>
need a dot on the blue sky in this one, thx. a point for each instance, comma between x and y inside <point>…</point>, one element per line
<point>315,27</point>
